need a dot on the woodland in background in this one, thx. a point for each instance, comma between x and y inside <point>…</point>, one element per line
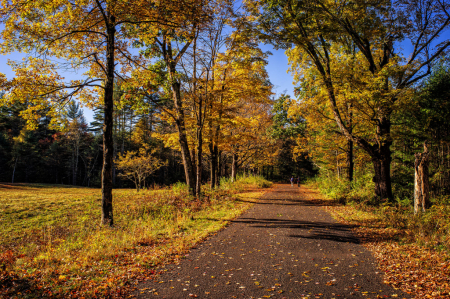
<point>73,155</point>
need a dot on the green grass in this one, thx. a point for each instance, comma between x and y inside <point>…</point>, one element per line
<point>52,244</point>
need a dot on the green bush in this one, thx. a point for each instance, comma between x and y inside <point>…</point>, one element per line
<point>242,180</point>
<point>361,189</point>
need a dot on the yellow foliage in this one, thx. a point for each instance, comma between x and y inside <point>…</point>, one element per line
<point>137,166</point>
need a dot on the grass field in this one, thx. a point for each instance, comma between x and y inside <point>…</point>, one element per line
<point>52,244</point>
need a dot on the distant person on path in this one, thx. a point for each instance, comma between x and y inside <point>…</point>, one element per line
<point>292,181</point>
<point>298,181</point>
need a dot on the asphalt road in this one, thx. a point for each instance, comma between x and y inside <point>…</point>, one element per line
<point>284,247</point>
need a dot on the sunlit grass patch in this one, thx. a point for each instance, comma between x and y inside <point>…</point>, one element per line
<point>52,244</point>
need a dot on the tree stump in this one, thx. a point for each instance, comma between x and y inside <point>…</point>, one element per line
<point>421,181</point>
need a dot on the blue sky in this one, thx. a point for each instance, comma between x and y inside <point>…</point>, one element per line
<point>277,69</point>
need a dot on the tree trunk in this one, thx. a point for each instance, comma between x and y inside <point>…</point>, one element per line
<point>421,181</point>
<point>108,144</point>
<point>14,170</point>
<point>185,153</point>
<point>350,164</point>
<point>382,178</point>
<point>381,158</point>
<point>213,165</point>
<point>234,167</point>
<point>199,162</point>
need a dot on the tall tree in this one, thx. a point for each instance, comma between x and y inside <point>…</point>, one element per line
<point>312,28</point>
<point>92,36</point>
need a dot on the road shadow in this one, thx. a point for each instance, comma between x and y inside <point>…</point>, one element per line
<point>291,202</point>
<point>333,231</point>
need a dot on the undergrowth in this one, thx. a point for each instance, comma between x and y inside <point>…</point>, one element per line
<point>52,244</point>
<point>252,181</point>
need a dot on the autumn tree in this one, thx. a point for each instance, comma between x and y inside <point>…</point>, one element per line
<point>137,166</point>
<point>192,70</point>
<point>90,36</point>
<point>311,29</point>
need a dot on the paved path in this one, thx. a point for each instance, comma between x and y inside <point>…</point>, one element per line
<point>283,247</point>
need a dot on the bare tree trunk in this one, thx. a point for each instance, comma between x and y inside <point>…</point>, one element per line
<point>108,144</point>
<point>421,181</point>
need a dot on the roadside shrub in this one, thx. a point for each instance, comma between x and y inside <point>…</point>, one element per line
<point>359,190</point>
<point>254,181</point>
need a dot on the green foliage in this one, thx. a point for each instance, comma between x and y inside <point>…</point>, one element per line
<point>428,119</point>
<point>285,126</point>
<point>434,102</point>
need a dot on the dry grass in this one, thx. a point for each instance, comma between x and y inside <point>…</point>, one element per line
<point>52,244</point>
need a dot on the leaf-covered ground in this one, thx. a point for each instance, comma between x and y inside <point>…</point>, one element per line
<point>51,243</point>
<point>421,271</point>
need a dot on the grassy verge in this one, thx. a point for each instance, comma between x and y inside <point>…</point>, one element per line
<point>51,243</point>
<point>411,250</point>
